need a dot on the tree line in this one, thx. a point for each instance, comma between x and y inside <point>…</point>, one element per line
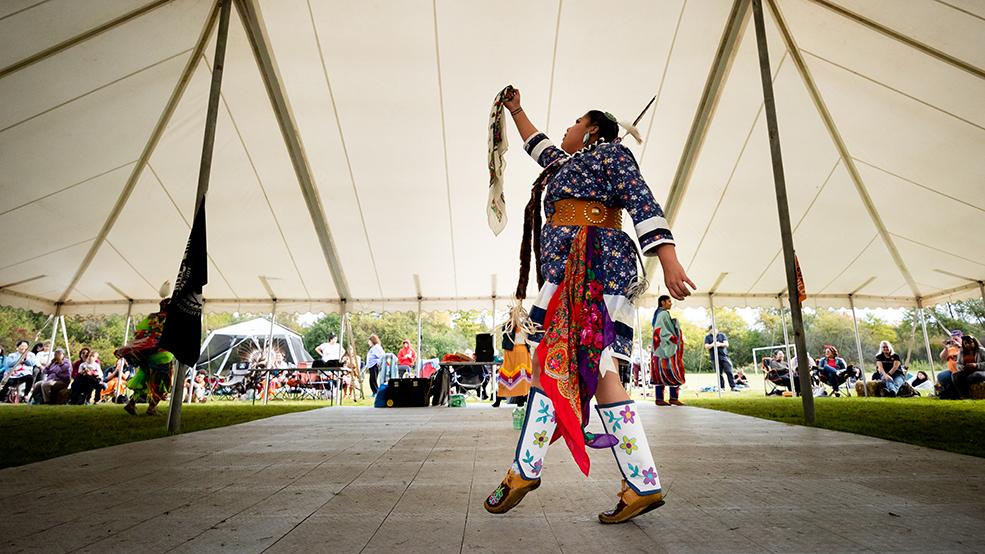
<point>445,332</point>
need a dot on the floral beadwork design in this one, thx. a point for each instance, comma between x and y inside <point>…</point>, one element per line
<point>540,439</point>
<point>535,465</point>
<point>615,423</point>
<point>545,413</point>
<point>628,415</point>
<point>650,476</point>
<point>634,471</point>
<point>497,496</point>
<point>628,445</point>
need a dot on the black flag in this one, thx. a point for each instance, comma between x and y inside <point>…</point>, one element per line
<point>183,327</point>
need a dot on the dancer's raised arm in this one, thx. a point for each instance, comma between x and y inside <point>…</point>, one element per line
<point>523,124</point>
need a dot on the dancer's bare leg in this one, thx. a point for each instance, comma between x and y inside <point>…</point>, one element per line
<point>610,388</point>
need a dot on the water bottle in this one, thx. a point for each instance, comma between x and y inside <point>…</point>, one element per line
<point>518,416</point>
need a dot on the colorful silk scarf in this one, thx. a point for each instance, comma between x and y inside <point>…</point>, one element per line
<point>496,206</point>
<point>577,329</point>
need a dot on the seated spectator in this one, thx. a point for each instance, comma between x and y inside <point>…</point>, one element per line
<point>778,371</point>
<point>20,366</point>
<point>42,354</point>
<point>115,380</point>
<point>83,356</point>
<point>195,390</point>
<point>921,381</point>
<point>55,378</point>
<point>971,366</point>
<point>741,381</point>
<point>832,367</point>
<point>889,370</point>
<point>88,380</point>
<point>406,359</point>
<point>949,355</point>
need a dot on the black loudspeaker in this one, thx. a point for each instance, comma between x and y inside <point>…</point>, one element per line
<point>483,347</point>
<point>407,393</point>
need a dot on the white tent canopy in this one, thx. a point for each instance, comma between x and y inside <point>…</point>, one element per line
<point>375,192</point>
<point>233,344</point>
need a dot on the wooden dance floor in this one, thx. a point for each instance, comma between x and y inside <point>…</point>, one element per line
<point>413,480</point>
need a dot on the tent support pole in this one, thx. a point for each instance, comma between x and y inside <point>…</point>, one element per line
<point>54,335</point>
<point>126,338</point>
<point>420,339</point>
<point>786,344</point>
<point>68,349</point>
<point>783,211</point>
<point>342,315</point>
<point>270,355</point>
<point>858,345</point>
<point>981,289</point>
<point>926,341</point>
<point>54,327</point>
<point>714,342</point>
<point>204,172</point>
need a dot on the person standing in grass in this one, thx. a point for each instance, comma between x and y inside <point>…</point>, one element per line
<point>374,359</point>
<point>667,360</point>
<point>889,370</point>
<point>716,343</point>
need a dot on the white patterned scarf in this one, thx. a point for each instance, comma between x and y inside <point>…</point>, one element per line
<point>496,206</point>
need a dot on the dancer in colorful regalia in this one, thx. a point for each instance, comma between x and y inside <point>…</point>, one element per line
<point>667,361</point>
<point>584,311</point>
<point>153,364</point>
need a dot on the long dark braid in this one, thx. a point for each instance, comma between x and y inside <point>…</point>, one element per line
<point>532,222</point>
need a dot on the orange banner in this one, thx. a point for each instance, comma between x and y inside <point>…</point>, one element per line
<point>801,288</point>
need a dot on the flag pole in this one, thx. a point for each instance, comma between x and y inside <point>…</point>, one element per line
<point>204,172</point>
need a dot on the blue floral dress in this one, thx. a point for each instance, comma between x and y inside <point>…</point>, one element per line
<point>607,173</point>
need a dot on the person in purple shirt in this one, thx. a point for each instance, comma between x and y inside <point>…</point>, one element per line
<point>56,378</point>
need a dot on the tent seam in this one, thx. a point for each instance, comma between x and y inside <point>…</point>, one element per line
<point>444,145</point>
<point>735,167</point>
<point>256,174</point>
<point>345,148</point>
<point>95,90</point>
<point>800,220</point>
<point>897,91</point>
<point>663,79</point>
<point>167,193</point>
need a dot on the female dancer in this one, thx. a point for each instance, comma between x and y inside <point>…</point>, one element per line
<point>584,308</point>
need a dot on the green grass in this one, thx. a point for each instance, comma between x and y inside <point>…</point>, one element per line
<point>955,426</point>
<point>34,433</point>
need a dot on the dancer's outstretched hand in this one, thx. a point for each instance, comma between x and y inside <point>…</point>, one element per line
<point>512,101</point>
<point>675,277</point>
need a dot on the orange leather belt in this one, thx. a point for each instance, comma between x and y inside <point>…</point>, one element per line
<point>577,211</point>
